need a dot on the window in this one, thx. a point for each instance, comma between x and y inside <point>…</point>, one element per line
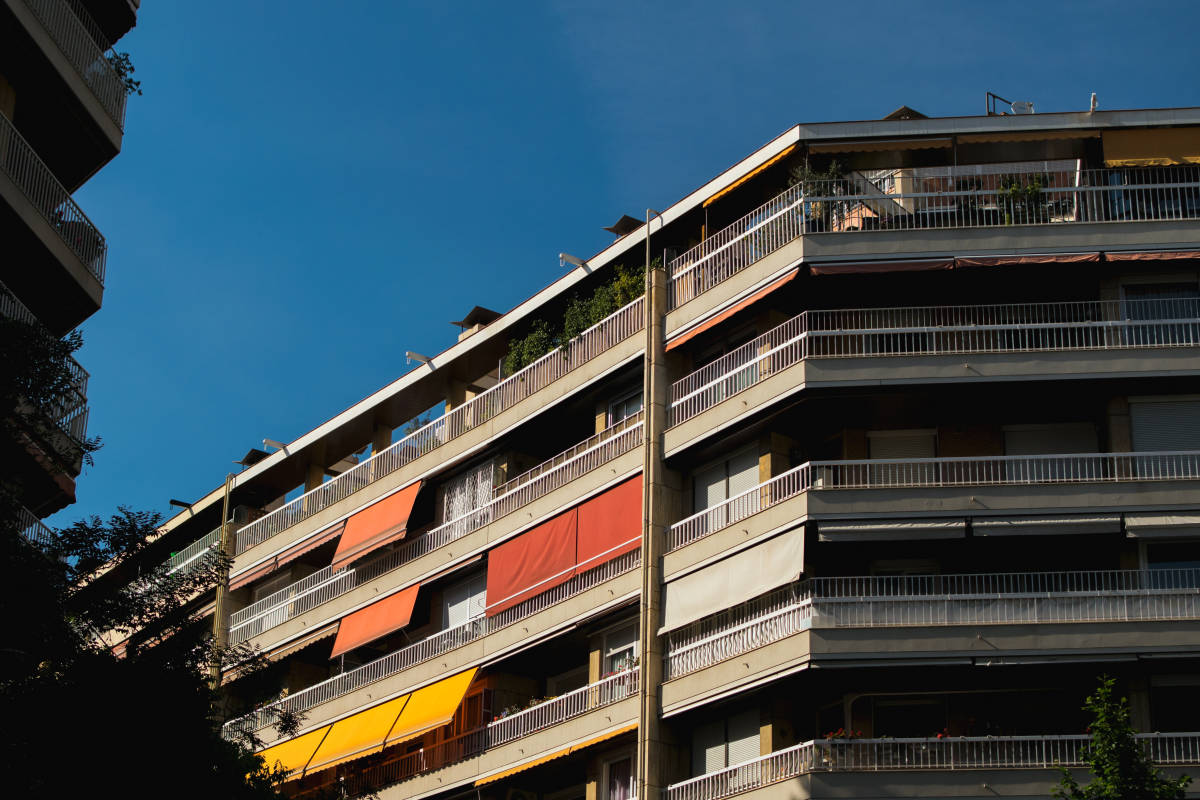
<point>730,477</point>
<point>464,601</point>
<point>624,407</point>
<point>1049,440</point>
<point>467,492</point>
<point>618,779</point>
<point>620,649</point>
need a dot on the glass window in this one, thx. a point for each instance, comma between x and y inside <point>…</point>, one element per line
<point>620,779</point>
<point>620,649</point>
<point>624,407</point>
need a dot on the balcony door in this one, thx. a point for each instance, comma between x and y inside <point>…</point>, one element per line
<point>725,743</point>
<point>1166,425</point>
<point>464,601</point>
<point>728,478</point>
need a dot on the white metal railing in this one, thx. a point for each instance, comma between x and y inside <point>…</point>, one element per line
<point>729,251</point>
<point>76,38</point>
<point>327,584</point>
<point>444,641</point>
<point>939,330</point>
<point>1022,196</point>
<point>33,529</point>
<point>51,199</point>
<point>560,709</point>
<point>739,507</point>
<point>951,753</point>
<point>195,555</point>
<point>598,339</point>
<point>935,600</point>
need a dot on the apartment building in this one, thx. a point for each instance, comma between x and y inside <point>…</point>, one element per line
<point>899,451</point>
<point>62,113</point>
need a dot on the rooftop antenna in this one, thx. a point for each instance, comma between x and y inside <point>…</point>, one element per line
<point>1095,104</point>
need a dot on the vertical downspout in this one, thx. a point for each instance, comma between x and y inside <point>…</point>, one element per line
<point>221,611</point>
<point>650,766</point>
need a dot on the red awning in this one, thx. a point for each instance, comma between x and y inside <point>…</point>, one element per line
<point>608,523</point>
<point>1154,255</point>
<point>375,621</point>
<point>537,560</point>
<point>1033,258</point>
<point>289,555</point>
<point>378,524</point>
<point>729,312</point>
<point>869,267</point>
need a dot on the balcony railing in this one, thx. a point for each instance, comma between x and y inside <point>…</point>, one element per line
<point>1013,598</point>
<point>524,723</point>
<point>954,753</point>
<point>935,473</point>
<point>33,529</point>
<point>938,330</point>
<point>195,555</point>
<point>1021,197</point>
<point>441,642</point>
<point>79,40</point>
<point>35,180</point>
<point>326,584</point>
<point>596,340</point>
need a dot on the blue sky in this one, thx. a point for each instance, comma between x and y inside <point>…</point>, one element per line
<point>308,189</point>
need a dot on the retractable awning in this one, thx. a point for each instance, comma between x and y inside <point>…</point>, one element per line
<point>766,165</point>
<point>1046,525</point>
<point>565,751</point>
<point>1151,147</point>
<point>1163,525</point>
<point>287,556</point>
<point>1030,258</point>
<point>357,736</point>
<point>375,621</point>
<point>431,707</point>
<point>899,530</point>
<point>294,754</point>
<point>880,145</point>
<point>729,312</point>
<point>376,525</point>
<point>1026,136</point>
<point>870,267</point>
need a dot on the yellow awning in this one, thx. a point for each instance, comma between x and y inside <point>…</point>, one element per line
<point>431,707</point>
<point>1152,147</point>
<point>1027,136</point>
<point>770,162</point>
<point>294,754</point>
<point>575,748</point>
<point>879,145</point>
<point>359,735</point>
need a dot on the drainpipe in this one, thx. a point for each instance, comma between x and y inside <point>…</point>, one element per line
<point>221,610</point>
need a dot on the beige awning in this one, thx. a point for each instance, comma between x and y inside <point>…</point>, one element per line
<point>716,587</point>
<point>1163,525</point>
<point>1046,525</point>
<point>1152,147</point>
<point>879,145</point>
<point>892,529</point>
<point>1026,136</point>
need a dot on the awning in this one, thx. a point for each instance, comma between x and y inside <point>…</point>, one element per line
<point>1153,255</point>
<point>1031,258</point>
<point>1026,136</point>
<point>1162,525</point>
<point>769,163</point>
<point>287,556</point>
<point>296,645</point>
<point>721,585</point>
<point>537,560</point>
<point>870,267</point>
<point>575,748</point>
<point>381,523</point>
<point>357,736</point>
<point>729,312</point>
<point>431,707</point>
<point>1045,526</point>
<point>879,145</point>
<point>610,524</point>
<point>294,754</point>
<point>375,621</point>
<point>1151,147</point>
<point>899,530</point>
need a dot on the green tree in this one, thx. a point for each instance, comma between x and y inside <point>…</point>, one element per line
<point>1120,768</point>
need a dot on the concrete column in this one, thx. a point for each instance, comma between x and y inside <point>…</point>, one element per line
<point>314,476</point>
<point>660,497</point>
<point>381,438</point>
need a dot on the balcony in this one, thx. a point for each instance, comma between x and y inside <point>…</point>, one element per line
<point>485,748</point>
<point>33,529</point>
<point>1079,482</point>
<point>929,756</point>
<point>901,344</point>
<point>54,256</point>
<point>962,213</point>
<point>505,405</point>
<point>83,44</point>
<point>553,600</point>
<point>326,585</point>
<point>925,601</point>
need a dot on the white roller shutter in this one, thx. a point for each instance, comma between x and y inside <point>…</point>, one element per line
<point>1165,425</point>
<point>743,472</point>
<point>708,748</point>
<point>1037,440</point>
<point>895,445</point>
<point>743,737</point>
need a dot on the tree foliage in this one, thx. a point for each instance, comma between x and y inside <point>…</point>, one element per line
<point>1120,768</point>
<point>122,64</point>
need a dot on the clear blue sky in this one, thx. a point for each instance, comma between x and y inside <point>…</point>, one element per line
<point>308,189</point>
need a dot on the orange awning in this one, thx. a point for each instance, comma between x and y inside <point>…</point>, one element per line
<point>1032,258</point>
<point>376,620</point>
<point>431,707</point>
<point>770,162</point>
<point>1154,255</point>
<point>870,267</point>
<point>291,554</point>
<point>1151,147</point>
<point>376,525</point>
<point>1026,136</point>
<point>604,737</point>
<point>879,145</point>
<point>534,562</point>
<point>729,312</point>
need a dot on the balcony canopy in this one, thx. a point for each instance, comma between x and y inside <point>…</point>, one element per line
<point>1152,147</point>
<point>375,621</point>
<point>376,525</point>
